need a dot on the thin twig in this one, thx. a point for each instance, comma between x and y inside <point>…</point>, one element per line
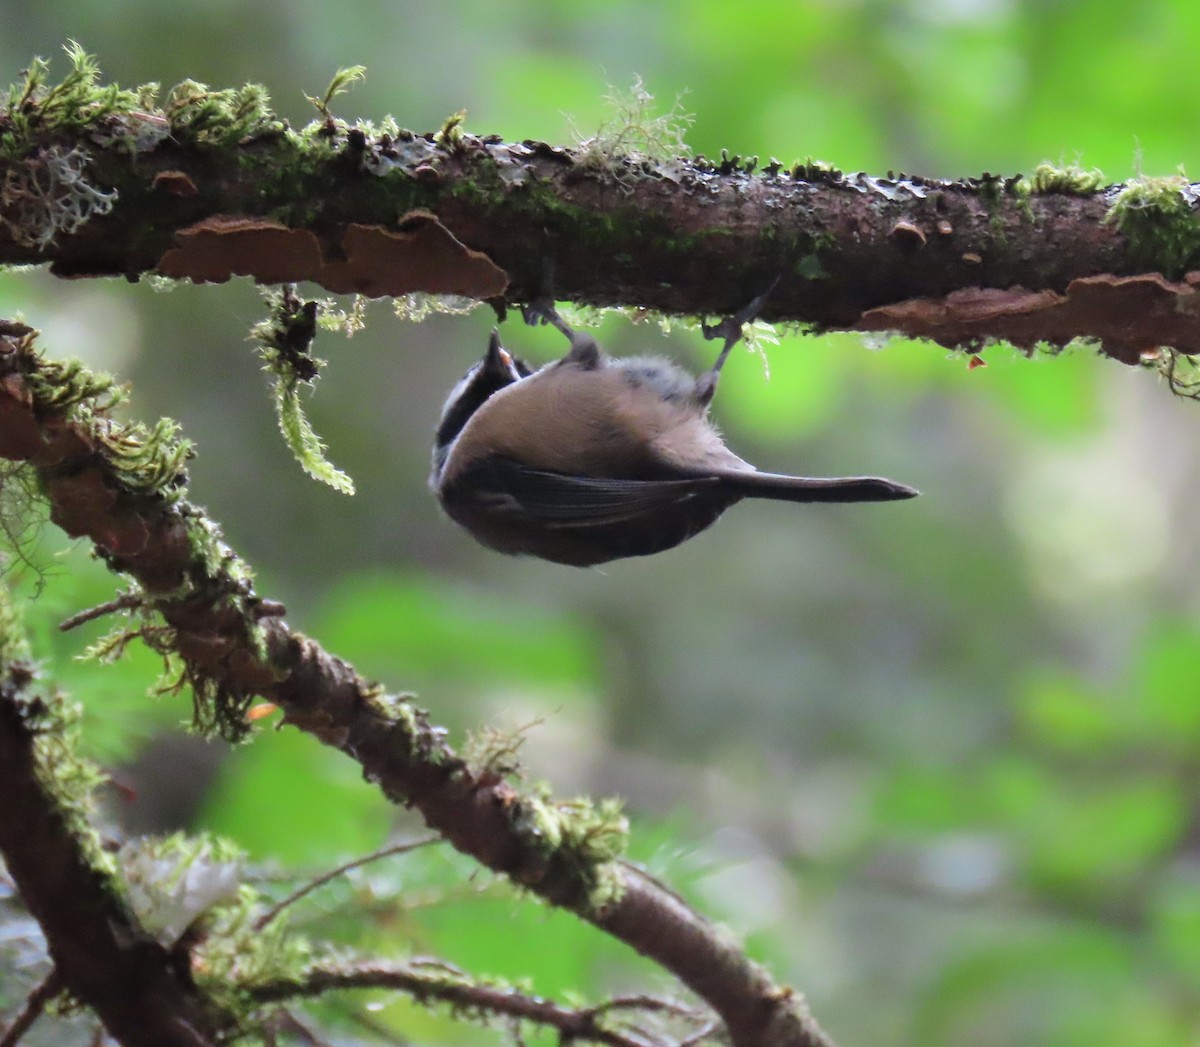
<point>645,1003</point>
<point>700,1035</point>
<point>286,1021</point>
<point>573,1025</point>
<point>659,1005</point>
<point>34,1006</point>
<point>333,874</point>
<point>124,602</point>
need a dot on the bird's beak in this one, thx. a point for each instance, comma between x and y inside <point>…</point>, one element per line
<point>497,356</point>
<point>499,360</point>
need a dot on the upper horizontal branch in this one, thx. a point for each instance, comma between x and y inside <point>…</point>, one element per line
<point>213,184</point>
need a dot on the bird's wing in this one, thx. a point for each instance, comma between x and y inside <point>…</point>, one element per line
<point>559,500</point>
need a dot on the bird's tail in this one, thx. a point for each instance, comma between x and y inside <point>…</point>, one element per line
<point>753,484</point>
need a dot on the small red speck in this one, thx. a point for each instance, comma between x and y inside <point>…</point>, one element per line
<point>976,361</point>
<point>123,788</point>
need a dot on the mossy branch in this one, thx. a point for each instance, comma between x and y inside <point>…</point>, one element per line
<point>233,645</point>
<point>95,179</point>
<point>123,930</point>
<point>102,955</point>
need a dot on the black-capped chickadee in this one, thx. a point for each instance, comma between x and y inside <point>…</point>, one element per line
<point>592,459</point>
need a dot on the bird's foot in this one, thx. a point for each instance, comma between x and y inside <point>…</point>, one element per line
<point>730,329</point>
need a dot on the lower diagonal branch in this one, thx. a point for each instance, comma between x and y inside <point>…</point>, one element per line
<point>229,645</point>
<point>481,817</point>
<point>100,953</point>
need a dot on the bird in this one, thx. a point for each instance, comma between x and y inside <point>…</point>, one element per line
<point>592,458</point>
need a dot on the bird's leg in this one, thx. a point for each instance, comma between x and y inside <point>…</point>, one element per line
<point>731,330</point>
<point>584,348</point>
<point>584,351</point>
<point>541,311</point>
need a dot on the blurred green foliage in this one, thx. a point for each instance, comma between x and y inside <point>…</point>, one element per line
<point>937,763</point>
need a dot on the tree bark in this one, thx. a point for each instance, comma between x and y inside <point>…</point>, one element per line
<point>235,645</point>
<point>356,210</point>
<point>101,955</point>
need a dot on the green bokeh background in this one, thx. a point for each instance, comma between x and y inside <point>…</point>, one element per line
<point>935,762</point>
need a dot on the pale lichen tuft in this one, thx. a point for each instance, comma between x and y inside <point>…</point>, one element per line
<point>285,340</point>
